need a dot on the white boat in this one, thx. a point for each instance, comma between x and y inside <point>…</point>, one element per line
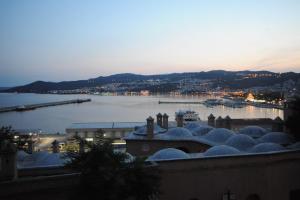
<point>188,115</point>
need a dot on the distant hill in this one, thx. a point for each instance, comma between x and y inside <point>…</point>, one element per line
<point>4,88</point>
<point>229,79</point>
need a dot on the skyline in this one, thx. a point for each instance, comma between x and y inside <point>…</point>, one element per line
<point>71,40</point>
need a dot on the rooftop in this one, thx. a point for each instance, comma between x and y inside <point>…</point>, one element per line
<point>251,140</point>
<point>99,125</point>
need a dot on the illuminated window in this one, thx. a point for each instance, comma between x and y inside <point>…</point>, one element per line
<point>89,139</point>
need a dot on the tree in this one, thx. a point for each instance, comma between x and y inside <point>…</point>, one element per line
<point>7,133</point>
<point>111,175</point>
<point>292,122</point>
<point>99,136</point>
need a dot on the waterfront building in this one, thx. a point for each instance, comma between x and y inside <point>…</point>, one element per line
<point>145,93</point>
<point>108,130</point>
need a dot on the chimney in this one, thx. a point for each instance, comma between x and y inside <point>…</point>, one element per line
<point>227,122</point>
<point>55,146</point>
<point>150,127</point>
<point>219,122</point>
<point>179,119</point>
<point>165,123</point>
<point>211,120</point>
<point>159,119</point>
<point>277,125</point>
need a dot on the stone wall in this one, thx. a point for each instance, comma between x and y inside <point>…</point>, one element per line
<point>269,176</point>
<point>56,187</point>
<point>266,176</point>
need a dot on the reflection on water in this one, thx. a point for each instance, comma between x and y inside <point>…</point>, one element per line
<point>110,108</point>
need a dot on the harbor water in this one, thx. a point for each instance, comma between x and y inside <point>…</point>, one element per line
<point>110,109</point>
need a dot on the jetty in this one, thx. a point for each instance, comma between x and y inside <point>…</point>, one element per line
<point>40,105</point>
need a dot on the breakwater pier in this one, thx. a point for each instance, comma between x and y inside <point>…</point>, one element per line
<point>40,105</point>
<point>180,102</point>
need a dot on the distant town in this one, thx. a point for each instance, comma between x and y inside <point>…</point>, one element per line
<point>258,88</point>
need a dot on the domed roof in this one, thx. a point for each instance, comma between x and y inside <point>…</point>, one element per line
<point>53,159</point>
<point>21,155</point>
<point>277,137</point>
<point>192,125</point>
<point>253,131</point>
<point>266,147</point>
<point>294,146</point>
<point>240,141</point>
<point>219,135</point>
<point>221,150</point>
<point>142,130</point>
<point>179,132</point>
<point>167,154</point>
<point>201,130</point>
<point>43,158</point>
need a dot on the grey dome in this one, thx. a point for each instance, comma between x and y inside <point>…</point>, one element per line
<point>201,130</point>
<point>253,131</point>
<point>294,146</point>
<point>219,135</point>
<point>240,141</point>
<point>179,132</point>
<point>21,155</point>
<point>142,130</point>
<point>277,137</point>
<point>192,125</point>
<point>221,150</point>
<point>167,154</point>
<point>266,147</point>
<point>43,158</point>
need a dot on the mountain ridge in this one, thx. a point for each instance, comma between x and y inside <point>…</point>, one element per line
<point>230,79</point>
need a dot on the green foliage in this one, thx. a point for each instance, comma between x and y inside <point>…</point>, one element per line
<point>106,174</point>
<point>292,123</point>
<point>99,136</point>
<point>7,133</point>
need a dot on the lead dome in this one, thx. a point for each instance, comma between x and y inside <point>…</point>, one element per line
<point>218,135</point>
<point>39,159</point>
<point>168,154</point>
<point>179,132</point>
<point>240,141</point>
<point>192,125</point>
<point>266,147</point>
<point>277,137</point>
<point>253,131</point>
<point>201,130</point>
<point>142,130</point>
<point>221,150</point>
<point>294,146</point>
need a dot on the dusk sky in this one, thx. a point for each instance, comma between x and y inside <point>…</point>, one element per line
<point>56,40</point>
